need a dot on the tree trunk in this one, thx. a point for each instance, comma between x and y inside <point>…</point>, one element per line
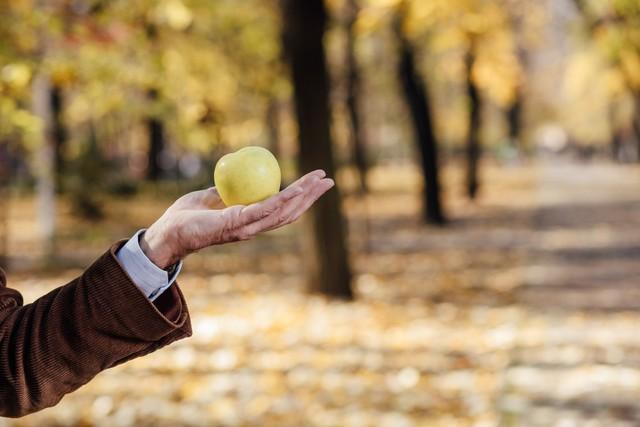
<point>636,123</point>
<point>59,133</point>
<point>616,145</point>
<point>155,128</point>
<point>417,98</point>
<point>514,117</point>
<point>45,168</point>
<point>353,96</point>
<point>273,127</point>
<point>5,178</point>
<point>473,137</point>
<point>514,112</point>
<point>4,227</point>
<point>616,135</point>
<point>327,259</point>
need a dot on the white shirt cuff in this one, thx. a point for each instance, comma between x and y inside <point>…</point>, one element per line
<point>151,279</point>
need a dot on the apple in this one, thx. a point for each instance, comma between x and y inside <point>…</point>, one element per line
<point>247,176</point>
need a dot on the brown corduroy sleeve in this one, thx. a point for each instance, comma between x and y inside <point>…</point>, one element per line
<point>62,340</point>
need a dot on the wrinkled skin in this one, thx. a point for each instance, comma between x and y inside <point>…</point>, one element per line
<point>200,219</point>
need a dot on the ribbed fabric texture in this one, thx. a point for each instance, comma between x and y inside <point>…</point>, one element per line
<point>62,340</point>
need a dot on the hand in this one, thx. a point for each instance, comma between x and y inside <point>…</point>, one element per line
<point>200,219</point>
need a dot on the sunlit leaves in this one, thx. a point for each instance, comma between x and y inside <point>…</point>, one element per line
<point>630,64</point>
<point>586,84</point>
<point>611,30</point>
<point>214,64</point>
<point>16,119</point>
<point>173,13</point>
<point>497,69</point>
<point>371,19</point>
<point>16,75</point>
<point>615,29</point>
<point>450,26</point>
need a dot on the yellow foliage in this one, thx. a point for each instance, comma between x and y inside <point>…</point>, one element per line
<point>16,75</point>
<point>15,118</point>
<point>368,21</point>
<point>447,39</point>
<point>615,81</point>
<point>587,91</point>
<point>630,64</point>
<point>497,70</point>
<point>386,4</point>
<point>174,13</point>
<point>63,74</point>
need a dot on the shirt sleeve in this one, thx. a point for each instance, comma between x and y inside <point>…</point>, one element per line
<point>148,277</point>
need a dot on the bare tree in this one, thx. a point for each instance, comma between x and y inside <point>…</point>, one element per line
<point>353,96</point>
<point>59,132</point>
<point>272,119</point>
<point>5,174</point>
<point>417,99</point>
<point>514,113</point>
<point>473,135</point>
<point>155,129</point>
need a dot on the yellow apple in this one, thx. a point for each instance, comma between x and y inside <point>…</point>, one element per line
<point>247,176</point>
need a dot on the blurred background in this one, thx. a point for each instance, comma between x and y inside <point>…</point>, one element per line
<point>477,265</point>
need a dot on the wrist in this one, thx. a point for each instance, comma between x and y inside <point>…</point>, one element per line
<point>156,247</point>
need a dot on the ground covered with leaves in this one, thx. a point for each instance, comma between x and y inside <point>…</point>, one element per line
<point>523,312</point>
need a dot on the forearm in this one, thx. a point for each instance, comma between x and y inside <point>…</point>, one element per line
<point>58,343</point>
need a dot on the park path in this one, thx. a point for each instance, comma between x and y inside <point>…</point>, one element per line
<point>582,286</point>
<point>586,253</point>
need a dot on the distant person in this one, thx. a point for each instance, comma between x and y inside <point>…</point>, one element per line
<point>126,304</point>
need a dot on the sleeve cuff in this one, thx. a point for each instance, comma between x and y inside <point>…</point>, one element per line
<point>120,309</point>
<point>148,277</point>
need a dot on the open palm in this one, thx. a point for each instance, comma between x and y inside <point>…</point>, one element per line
<point>200,219</point>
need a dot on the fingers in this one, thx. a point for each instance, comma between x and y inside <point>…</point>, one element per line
<point>305,203</point>
<point>308,177</point>
<point>292,210</point>
<point>322,187</point>
<point>256,211</point>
